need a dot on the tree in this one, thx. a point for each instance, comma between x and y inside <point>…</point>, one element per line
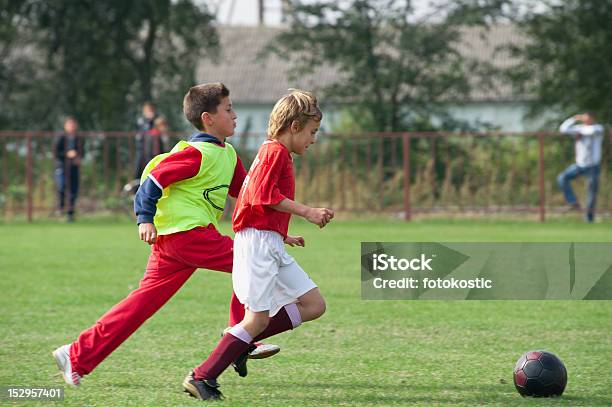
<point>396,70</point>
<point>24,81</point>
<point>102,59</point>
<point>566,64</point>
<point>163,41</point>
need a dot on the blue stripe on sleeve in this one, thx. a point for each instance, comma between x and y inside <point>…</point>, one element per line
<point>145,201</point>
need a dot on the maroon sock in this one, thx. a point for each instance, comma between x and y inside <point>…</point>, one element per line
<point>228,350</point>
<point>278,323</point>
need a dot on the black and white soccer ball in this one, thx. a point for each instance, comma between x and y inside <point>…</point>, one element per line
<point>540,374</point>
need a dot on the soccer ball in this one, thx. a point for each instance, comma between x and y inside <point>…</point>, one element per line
<point>540,374</point>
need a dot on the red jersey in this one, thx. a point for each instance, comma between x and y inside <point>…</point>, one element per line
<point>269,181</point>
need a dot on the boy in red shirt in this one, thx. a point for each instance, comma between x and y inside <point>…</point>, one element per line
<point>278,295</point>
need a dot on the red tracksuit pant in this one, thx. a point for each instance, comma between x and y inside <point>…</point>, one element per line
<point>173,260</point>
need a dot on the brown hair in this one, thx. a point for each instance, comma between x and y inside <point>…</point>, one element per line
<point>299,105</point>
<point>203,98</point>
<point>70,118</point>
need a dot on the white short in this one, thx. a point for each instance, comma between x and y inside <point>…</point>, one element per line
<point>264,275</point>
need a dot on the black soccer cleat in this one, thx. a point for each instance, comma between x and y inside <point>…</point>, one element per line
<point>240,364</point>
<point>202,389</point>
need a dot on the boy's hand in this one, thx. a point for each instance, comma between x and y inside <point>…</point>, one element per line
<point>319,216</point>
<point>295,241</point>
<point>147,232</point>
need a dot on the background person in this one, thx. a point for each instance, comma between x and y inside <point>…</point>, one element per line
<point>68,150</point>
<point>160,135</point>
<point>146,142</point>
<point>588,135</point>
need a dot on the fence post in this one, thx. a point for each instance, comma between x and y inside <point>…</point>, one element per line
<point>381,172</point>
<point>29,175</point>
<point>117,186</point>
<point>105,160</point>
<point>541,175</point>
<point>343,180</point>
<point>406,159</point>
<point>4,169</point>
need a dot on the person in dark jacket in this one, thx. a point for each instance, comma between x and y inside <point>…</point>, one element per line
<point>148,142</point>
<point>68,154</point>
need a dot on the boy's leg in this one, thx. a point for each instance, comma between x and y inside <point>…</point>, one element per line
<point>163,277</point>
<point>290,282</point>
<point>216,254</point>
<point>233,344</point>
<point>173,259</point>
<point>236,314</point>
<point>288,317</point>
<point>167,271</point>
<point>202,381</point>
<point>236,311</point>
<point>74,190</point>
<point>593,176</point>
<point>61,184</point>
<point>311,305</point>
<point>564,182</point>
<point>302,295</point>
<point>308,307</point>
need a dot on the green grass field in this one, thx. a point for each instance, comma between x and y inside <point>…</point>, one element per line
<point>57,279</point>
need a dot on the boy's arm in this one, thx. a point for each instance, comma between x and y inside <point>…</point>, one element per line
<point>145,206</point>
<point>318,216</point>
<point>145,200</point>
<point>265,182</point>
<point>237,179</point>
<point>147,232</point>
<point>569,127</point>
<point>592,130</point>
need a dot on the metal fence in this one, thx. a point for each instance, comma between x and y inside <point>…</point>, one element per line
<point>397,174</point>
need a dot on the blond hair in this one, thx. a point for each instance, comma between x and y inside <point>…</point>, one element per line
<point>299,106</point>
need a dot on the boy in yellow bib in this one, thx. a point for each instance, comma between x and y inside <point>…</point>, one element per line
<point>178,205</point>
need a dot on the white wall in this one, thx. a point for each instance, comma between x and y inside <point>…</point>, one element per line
<point>506,116</point>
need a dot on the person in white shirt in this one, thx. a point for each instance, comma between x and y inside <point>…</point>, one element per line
<point>588,136</point>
